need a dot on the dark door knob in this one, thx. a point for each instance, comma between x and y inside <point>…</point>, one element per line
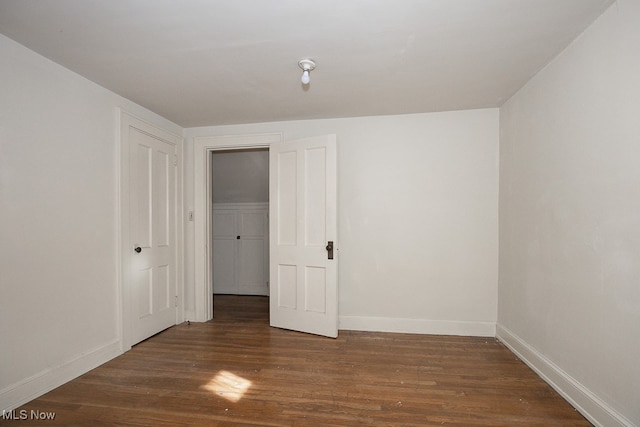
<point>138,249</point>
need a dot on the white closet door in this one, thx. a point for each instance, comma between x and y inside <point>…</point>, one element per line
<point>241,248</point>
<point>225,252</point>
<point>253,252</point>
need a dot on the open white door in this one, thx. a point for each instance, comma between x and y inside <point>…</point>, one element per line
<point>303,235</point>
<point>152,245</point>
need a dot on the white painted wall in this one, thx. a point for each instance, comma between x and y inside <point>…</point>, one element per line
<point>569,295</point>
<point>58,230</point>
<point>241,176</point>
<point>418,198</point>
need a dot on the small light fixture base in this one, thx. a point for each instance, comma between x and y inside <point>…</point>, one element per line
<point>307,65</point>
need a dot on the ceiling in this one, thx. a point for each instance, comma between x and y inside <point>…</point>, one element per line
<point>213,62</point>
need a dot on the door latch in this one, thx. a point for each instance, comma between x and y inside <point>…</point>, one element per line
<point>329,249</point>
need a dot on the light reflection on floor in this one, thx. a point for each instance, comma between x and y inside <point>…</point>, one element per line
<point>228,385</point>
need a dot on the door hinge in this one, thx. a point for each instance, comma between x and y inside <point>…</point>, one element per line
<point>175,160</point>
<point>176,300</point>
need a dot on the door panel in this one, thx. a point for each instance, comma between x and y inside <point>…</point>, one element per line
<point>316,289</point>
<point>161,195</point>
<point>303,218</point>
<point>286,286</point>
<point>224,258</point>
<point>142,170</point>
<point>163,287</point>
<point>224,224</point>
<point>153,202</point>
<point>252,224</point>
<point>315,197</point>
<point>224,252</point>
<point>286,203</point>
<point>252,274</point>
<point>253,252</point>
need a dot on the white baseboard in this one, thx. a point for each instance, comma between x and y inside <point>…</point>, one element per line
<point>189,315</point>
<point>24,391</point>
<point>417,326</point>
<point>588,404</point>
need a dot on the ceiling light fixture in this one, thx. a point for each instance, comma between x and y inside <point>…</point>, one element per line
<point>307,66</point>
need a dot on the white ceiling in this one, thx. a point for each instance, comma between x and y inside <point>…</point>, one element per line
<point>211,62</point>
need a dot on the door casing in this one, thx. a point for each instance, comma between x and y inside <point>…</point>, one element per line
<point>203,209</point>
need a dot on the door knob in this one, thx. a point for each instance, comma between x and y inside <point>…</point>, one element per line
<point>329,249</point>
<point>138,249</point>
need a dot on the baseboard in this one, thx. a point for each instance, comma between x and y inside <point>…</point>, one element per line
<point>588,404</point>
<point>24,391</point>
<point>189,315</point>
<point>417,326</point>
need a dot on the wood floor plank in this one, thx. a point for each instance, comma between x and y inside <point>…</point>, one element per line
<point>237,371</point>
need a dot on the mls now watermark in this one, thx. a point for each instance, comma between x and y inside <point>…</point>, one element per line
<point>32,414</point>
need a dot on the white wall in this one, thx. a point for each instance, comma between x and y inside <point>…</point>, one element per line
<point>241,176</point>
<point>418,198</point>
<point>58,231</point>
<point>569,296</point>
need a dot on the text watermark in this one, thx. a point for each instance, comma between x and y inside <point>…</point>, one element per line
<point>32,414</point>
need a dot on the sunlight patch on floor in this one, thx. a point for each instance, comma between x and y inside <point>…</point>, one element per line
<point>228,385</point>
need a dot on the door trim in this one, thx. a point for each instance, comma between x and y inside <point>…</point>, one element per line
<point>202,209</point>
<point>124,253</point>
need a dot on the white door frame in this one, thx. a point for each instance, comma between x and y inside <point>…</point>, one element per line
<point>202,209</point>
<point>125,252</point>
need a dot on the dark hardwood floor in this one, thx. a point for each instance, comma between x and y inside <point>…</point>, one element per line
<point>237,371</point>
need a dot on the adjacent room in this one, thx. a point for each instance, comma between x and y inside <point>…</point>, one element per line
<point>240,224</point>
<point>336,212</point>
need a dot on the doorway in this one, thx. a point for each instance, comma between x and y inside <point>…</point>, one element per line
<point>204,147</point>
<point>240,223</point>
<point>302,229</point>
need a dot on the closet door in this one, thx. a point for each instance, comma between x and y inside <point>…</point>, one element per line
<point>241,248</point>
<point>225,224</point>
<point>253,252</point>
